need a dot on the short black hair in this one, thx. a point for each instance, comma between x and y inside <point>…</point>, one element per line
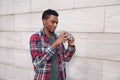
<point>49,12</point>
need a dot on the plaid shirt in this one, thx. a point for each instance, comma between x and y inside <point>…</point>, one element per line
<point>42,52</point>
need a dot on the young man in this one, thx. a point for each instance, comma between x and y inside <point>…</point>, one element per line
<point>47,50</point>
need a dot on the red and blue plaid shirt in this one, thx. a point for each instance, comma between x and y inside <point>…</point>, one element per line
<point>42,52</point>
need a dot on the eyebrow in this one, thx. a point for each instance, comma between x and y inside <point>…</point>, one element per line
<point>54,21</point>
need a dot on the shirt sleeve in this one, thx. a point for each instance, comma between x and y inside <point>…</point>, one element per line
<point>69,53</point>
<point>40,54</point>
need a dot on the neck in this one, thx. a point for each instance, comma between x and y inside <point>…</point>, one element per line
<point>49,34</point>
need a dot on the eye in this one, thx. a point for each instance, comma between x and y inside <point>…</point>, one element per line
<point>56,22</point>
<point>52,22</point>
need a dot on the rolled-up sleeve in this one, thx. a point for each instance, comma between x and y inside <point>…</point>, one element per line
<point>40,54</point>
<point>69,53</point>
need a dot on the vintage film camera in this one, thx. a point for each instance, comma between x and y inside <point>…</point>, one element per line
<point>69,36</point>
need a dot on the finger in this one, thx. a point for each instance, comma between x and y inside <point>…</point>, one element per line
<point>65,39</point>
<point>65,33</point>
<point>71,42</point>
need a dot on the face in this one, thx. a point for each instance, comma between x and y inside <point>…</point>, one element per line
<point>50,24</point>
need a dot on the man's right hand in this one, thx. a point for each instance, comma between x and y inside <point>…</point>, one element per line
<point>62,38</point>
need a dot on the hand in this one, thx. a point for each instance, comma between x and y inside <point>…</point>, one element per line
<point>62,38</point>
<point>71,41</point>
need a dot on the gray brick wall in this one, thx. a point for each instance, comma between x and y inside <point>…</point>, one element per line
<point>94,23</point>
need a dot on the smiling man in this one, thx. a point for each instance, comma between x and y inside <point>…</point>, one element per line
<point>47,50</point>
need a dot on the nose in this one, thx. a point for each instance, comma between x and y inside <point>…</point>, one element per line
<point>55,24</point>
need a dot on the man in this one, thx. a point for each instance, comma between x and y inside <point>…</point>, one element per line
<point>47,49</point>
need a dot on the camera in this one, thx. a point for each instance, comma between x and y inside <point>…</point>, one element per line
<point>69,36</point>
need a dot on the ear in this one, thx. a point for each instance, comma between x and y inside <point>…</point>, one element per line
<point>44,22</point>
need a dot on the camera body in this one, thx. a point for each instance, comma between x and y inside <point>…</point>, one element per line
<point>69,36</point>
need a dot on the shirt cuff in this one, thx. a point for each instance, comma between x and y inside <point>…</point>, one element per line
<point>51,49</point>
<point>71,48</point>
